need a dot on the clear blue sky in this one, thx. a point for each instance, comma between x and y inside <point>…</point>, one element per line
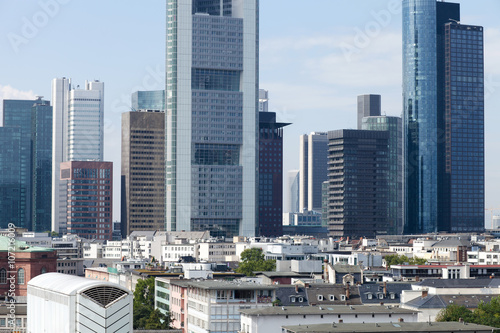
<point>315,58</point>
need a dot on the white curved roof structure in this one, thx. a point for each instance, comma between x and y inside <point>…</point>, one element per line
<point>66,303</point>
<point>68,284</point>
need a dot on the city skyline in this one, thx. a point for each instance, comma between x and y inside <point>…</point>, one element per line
<point>313,71</point>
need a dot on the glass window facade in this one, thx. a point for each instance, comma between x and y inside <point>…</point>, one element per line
<point>395,176</point>
<point>464,118</point>
<point>443,92</point>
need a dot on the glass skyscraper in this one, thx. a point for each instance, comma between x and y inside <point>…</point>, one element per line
<point>395,175</point>
<point>148,100</point>
<point>25,163</point>
<point>11,192</point>
<point>41,140</point>
<point>429,117</point>
<point>464,119</point>
<point>211,116</point>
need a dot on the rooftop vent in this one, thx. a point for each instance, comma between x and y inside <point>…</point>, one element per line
<point>104,296</point>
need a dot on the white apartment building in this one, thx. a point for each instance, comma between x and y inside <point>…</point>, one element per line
<point>77,135</point>
<point>216,252</point>
<point>214,306</point>
<point>174,252</point>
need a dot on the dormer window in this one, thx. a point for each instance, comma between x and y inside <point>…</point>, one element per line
<point>342,297</point>
<point>320,297</point>
<point>369,296</point>
<point>393,296</point>
<point>301,299</point>
<point>380,296</point>
<point>292,299</point>
<point>332,297</point>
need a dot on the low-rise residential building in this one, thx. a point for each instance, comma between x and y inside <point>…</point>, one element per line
<point>70,266</point>
<point>387,293</point>
<point>211,305</point>
<point>216,252</point>
<point>272,319</point>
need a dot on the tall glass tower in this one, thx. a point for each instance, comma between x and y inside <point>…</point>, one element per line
<point>427,62</point>
<point>211,116</point>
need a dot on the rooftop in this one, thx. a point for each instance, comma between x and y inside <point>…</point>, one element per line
<point>327,309</point>
<point>229,285</point>
<point>459,283</point>
<point>5,243</point>
<point>66,284</point>
<point>442,301</point>
<point>389,327</point>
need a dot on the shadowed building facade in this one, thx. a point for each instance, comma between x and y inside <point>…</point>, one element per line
<point>143,171</point>
<point>270,175</point>
<point>358,169</point>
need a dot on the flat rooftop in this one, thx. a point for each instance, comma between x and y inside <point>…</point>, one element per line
<point>389,327</point>
<point>327,309</point>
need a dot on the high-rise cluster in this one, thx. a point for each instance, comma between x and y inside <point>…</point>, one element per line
<point>443,110</point>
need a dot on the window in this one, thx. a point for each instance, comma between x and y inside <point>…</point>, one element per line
<point>3,276</point>
<point>292,299</point>
<point>342,297</point>
<point>301,299</point>
<point>44,270</point>
<point>369,296</point>
<point>20,276</point>
<point>320,297</point>
<point>332,297</point>
<point>393,296</point>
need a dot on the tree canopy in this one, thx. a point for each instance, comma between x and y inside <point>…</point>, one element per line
<point>395,259</point>
<point>145,315</point>
<point>253,260</point>
<point>485,314</point>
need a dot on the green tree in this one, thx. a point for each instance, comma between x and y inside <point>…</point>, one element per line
<point>145,315</point>
<point>454,312</point>
<point>395,259</point>
<point>252,260</point>
<point>488,313</point>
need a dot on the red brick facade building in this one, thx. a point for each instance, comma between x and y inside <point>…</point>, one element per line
<point>23,264</point>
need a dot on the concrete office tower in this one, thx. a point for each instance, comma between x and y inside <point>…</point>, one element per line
<point>263,100</point>
<point>443,122</point>
<point>89,207</point>
<point>368,105</point>
<point>313,161</point>
<point>211,118</point>
<point>148,100</point>
<point>17,178</point>
<point>292,192</point>
<point>270,175</point>
<point>143,171</point>
<point>395,176</point>
<point>358,183</point>
<point>77,134</point>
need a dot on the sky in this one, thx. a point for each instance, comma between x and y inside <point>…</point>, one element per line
<point>314,61</point>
